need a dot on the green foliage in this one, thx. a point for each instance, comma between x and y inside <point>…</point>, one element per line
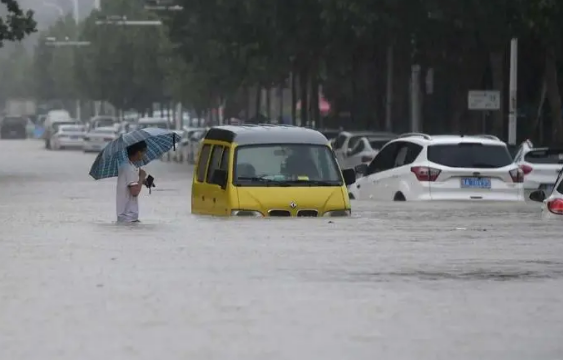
<point>15,24</point>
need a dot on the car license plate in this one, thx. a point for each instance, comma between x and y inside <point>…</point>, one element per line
<point>476,183</point>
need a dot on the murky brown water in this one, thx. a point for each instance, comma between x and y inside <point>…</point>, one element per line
<point>396,281</point>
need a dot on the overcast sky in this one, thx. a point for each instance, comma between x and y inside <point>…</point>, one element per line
<point>47,12</point>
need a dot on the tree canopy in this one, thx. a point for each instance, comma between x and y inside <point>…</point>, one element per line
<point>15,24</point>
<point>221,52</point>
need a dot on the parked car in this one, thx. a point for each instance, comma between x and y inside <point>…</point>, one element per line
<point>101,121</point>
<point>540,166</point>
<point>96,140</point>
<point>552,202</point>
<point>146,122</point>
<point>68,136</point>
<point>13,127</point>
<point>365,150</point>
<point>191,143</point>
<point>346,141</point>
<point>417,167</point>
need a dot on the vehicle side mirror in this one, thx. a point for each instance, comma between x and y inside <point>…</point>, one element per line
<point>219,177</point>
<point>361,169</point>
<point>538,196</point>
<point>349,176</point>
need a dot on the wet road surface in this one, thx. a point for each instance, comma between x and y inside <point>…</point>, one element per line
<point>396,281</point>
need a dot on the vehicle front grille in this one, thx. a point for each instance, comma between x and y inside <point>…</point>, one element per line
<point>282,213</point>
<point>307,213</point>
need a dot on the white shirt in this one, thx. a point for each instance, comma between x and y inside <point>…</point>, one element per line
<point>127,204</point>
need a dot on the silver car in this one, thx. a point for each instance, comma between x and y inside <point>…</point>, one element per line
<point>97,139</point>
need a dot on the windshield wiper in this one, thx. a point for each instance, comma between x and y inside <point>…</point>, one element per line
<point>312,182</point>
<point>261,180</point>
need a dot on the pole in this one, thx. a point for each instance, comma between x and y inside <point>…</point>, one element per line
<point>77,23</point>
<point>415,98</point>
<point>389,90</point>
<point>512,110</point>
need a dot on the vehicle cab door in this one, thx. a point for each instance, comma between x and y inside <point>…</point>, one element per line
<point>372,184</point>
<point>200,189</point>
<point>218,197</point>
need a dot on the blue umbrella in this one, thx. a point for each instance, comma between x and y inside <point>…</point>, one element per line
<point>159,141</point>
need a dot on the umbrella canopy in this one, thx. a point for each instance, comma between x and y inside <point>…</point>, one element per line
<point>159,141</point>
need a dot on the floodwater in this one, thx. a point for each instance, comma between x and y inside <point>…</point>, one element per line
<point>397,281</point>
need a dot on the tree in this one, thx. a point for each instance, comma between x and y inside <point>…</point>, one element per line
<point>123,63</point>
<point>15,24</point>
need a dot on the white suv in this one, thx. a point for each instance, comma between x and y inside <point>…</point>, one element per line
<point>540,166</point>
<point>416,167</point>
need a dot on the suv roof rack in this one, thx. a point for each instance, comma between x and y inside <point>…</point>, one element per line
<point>486,136</point>
<point>425,136</point>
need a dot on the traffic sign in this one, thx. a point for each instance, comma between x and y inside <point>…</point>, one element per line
<point>483,100</point>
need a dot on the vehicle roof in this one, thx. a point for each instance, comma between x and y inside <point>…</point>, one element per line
<point>451,139</point>
<point>71,126</point>
<point>368,133</point>
<point>153,120</point>
<point>266,134</point>
<point>104,129</point>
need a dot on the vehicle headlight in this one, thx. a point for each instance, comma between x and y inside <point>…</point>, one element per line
<point>250,213</point>
<point>337,213</point>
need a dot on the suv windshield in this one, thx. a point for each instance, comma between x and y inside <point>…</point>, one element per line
<point>286,165</point>
<point>550,156</point>
<point>470,155</point>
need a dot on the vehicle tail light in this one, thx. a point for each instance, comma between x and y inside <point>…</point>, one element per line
<point>517,175</point>
<point>425,173</point>
<point>555,206</point>
<point>366,159</point>
<point>526,169</point>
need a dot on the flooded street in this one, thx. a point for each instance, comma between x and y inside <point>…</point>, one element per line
<point>396,281</point>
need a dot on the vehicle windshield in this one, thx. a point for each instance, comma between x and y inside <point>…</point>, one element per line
<point>56,126</point>
<point>550,156</point>
<point>72,128</point>
<point>105,132</point>
<point>287,165</point>
<point>160,125</point>
<point>470,155</point>
<point>103,122</point>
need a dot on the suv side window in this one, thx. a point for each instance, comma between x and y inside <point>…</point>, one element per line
<point>407,153</point>
<point>339,141</point>
<point>202,163</point>
<point>360,146</point>
<point>216,155</point>
<point>384,160</point>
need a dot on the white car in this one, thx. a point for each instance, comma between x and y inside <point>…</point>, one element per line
<point>346,141</point>
<point>552,203</point>
<point>192,143</point>
<point>417,167</point>
<point>68,136</point>
<point>540,166</point>
<point>365,150</point>
<point>96,140</point>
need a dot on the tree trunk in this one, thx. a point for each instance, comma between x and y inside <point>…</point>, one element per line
<point>315,112</point>
<point>303,80</point>
<point>293,99</point>
<point>258,103</point>
<point>269,104</point>
<point>553,95</point>
<point>497,70</point>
